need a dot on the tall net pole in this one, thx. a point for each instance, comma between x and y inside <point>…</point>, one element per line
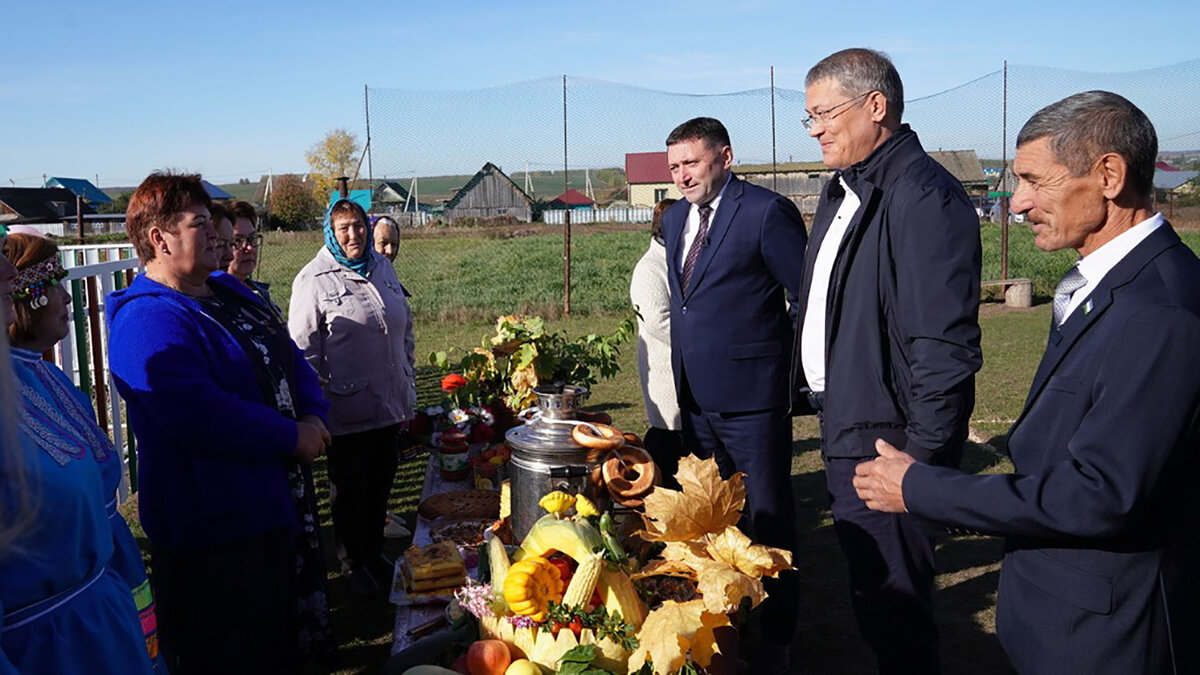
<point>774,164</point>
<point>566,214</point>
<point>367,109</point>
<point>1004,187</point>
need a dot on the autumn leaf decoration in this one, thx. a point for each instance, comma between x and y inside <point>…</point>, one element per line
<point>699,527</point>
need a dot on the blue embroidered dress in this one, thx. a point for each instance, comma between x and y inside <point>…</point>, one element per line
<point>65,584</point>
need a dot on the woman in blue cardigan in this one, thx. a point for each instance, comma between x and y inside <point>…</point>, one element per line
<point>224,408</point>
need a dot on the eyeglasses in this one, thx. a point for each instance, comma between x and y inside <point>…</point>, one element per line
<point>254,240</point>
<point>824,116</point>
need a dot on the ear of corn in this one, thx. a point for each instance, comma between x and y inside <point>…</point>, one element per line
<point>579,591</point>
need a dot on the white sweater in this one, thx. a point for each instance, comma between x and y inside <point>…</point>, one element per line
<point>649,291</point>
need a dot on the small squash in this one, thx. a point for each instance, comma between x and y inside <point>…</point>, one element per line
<point>556,502</point>
<point>531,585</point>
<point>584,507</point>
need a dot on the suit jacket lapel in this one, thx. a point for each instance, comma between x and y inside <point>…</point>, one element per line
<point>1062,339</point>
<point>820,227</point>
<point>673,227</point>
<point>717,230</point>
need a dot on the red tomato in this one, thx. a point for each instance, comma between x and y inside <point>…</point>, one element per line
<point>563,562</point>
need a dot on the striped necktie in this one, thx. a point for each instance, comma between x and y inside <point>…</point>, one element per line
<point>698,244</point>
<point>1072,281</point>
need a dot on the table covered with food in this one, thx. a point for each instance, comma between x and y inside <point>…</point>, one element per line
<point>577,560</point>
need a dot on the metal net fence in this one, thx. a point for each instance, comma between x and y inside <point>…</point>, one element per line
<point>481,179</point>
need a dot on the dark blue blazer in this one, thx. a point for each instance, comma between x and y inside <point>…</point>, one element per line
<point>731,332</point>
<point>1102,514</point>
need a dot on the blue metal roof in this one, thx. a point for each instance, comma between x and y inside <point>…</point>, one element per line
<point>215,192</point>
<point>81,187</point>
<point>360,197</point>
<point>1169,180</point>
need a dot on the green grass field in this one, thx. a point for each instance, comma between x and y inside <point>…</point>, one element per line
<point>480,273</point>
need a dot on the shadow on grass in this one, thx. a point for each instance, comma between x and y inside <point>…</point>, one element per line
<point>827,638</point>
<point>363,626</point>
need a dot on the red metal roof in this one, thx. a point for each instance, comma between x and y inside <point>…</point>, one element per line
<point>646,167</point>
<point>1163,166</point>
<point>573,197</point>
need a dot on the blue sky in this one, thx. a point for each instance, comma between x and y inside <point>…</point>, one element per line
<point>232,89</point>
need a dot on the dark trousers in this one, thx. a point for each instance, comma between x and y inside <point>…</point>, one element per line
<point>665,447</point>
<point>758,444</point>
<point>891,567</point>
<point>362,467</point>
<point>228,608</point>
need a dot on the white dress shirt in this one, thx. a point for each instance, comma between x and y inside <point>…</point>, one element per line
<point>812,335</point>
<point>692,225</point>
<point>1095,265</point>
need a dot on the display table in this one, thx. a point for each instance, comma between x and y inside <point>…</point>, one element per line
<point>411,616</point>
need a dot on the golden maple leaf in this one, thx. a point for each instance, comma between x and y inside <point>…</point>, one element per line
<point>707,503</point>
<point>667,635</point>
<point>704,642</point>
<point>756,560</point>
<point>665,568</point>
<point>723,587</point>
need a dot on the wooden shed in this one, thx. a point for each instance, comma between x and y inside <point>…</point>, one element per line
<point>490,194</point>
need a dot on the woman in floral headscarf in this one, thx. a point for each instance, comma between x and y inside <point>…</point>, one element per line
<point>351,317</point>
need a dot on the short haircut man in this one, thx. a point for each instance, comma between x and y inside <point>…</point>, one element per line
<point>1099,573</point>
<point>733,250</point>
<point>889,334</point>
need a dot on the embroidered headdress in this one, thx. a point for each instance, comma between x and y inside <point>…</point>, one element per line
<point>31,283</point>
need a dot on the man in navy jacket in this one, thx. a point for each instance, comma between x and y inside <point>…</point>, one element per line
<point>733,254</point>
<point>1100,567</point>
<point>889,338</point>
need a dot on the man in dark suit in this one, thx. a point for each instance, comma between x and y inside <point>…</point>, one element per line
<point>889,339</point>
<point>1100,571</point>
<point>733,253</point>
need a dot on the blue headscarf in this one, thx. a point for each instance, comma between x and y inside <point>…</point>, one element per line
<point>331,243</point>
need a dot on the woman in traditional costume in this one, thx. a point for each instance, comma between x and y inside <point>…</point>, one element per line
<point>72,584</point>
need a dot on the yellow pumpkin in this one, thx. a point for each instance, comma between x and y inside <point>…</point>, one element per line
<point>531,585</point>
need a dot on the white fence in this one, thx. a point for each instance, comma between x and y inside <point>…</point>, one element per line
<point>611,214</point>
<point>93,272</point>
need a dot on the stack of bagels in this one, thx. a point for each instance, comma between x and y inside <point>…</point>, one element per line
<point>629,471</point>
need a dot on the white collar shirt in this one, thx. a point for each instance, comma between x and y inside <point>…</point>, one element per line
<point>1098,263</point>
<point>692,225</point>
<point>813,333</point>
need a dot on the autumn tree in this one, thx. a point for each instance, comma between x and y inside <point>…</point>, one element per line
<point>333,156</point>
<point>292,204</point>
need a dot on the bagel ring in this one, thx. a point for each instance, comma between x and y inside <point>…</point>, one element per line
<point>630,474</point>
<point>597,436</point>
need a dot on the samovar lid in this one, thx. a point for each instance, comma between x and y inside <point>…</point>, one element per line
<point>545,430</point>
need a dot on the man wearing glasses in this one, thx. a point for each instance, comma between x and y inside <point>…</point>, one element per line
<point>888,337</point>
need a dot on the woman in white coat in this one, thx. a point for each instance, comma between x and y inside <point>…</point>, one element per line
<point>650,294</point>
